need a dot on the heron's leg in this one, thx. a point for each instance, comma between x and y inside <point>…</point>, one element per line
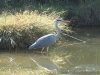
<point>47,49</point>
<point>42,49</point>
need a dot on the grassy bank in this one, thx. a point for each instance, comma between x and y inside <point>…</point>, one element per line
<point>26,24</point>
<point>22,28</point>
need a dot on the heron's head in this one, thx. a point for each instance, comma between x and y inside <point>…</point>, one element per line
<point>59,21</point>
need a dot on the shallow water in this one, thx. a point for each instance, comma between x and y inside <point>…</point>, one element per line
<point>70,57</point>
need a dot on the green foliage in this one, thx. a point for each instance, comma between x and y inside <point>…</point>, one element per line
<point>26,4</point>
<point>86,15</point>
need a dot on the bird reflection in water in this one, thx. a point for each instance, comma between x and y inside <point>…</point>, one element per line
<point>45,63</point>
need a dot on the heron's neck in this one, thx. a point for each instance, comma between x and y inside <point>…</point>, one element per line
<point>58,29</point>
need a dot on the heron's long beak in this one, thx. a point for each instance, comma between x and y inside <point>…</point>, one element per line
<point>67,20</point>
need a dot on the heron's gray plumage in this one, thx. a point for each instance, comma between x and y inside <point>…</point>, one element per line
<point>44,41</point>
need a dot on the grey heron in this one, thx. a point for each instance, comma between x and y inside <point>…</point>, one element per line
<point>47,40</point>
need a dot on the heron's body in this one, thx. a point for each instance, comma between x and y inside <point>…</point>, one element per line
<point>44,41</point>
<point>47,40</point>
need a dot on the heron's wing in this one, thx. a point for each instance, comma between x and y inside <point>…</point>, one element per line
<point>46,40</point>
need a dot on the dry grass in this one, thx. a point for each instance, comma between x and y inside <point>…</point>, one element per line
<point>26,18</point>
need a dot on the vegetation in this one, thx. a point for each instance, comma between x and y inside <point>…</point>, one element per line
<point>87,15</point>
<point>22,22</point>
<point>24,28</point>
